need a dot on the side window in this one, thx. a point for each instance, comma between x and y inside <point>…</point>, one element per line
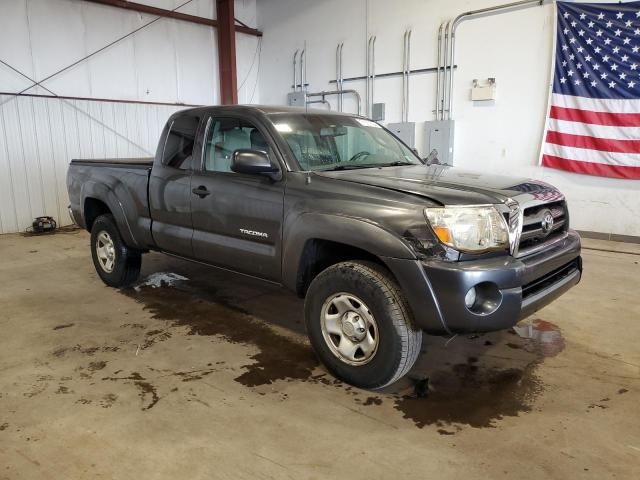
<point>178,150</point>
<point>225,136</point>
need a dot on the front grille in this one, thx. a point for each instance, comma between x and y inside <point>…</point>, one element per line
<point>533,223</point>
<point>550,278</point>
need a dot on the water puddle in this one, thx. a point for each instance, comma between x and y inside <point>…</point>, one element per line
<point>497,378</point>
<point>473,396</point>
<point>278,357</point>
<point>475,381</point>
<point>542,337</point>
<point>160,279</point>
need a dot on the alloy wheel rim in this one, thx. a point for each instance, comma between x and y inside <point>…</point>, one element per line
<point>105,251</point>
<point>349,329</point>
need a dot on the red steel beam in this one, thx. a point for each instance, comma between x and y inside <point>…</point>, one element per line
<point>161,12</point>
<point>227,52</point>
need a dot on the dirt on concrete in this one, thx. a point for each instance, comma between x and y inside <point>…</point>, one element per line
<point>211,375</point>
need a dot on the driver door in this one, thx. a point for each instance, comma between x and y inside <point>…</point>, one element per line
<point>237,218</point>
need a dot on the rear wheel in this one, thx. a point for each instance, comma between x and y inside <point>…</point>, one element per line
<point>360,325</point>
<point>116,264</point>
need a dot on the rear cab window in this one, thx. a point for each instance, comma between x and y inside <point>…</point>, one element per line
<point>181,139</point>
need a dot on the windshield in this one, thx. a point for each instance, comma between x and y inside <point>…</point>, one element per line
<point>337,142</point>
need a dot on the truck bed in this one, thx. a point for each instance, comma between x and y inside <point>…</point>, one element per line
<point>119,183</point>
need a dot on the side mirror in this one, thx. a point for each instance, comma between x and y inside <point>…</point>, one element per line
<point>252,161</point>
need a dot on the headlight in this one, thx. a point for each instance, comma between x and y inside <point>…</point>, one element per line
<point>469,229</point>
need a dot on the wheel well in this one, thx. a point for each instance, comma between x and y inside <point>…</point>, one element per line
<point>318,255</point>
<point>93,208</point>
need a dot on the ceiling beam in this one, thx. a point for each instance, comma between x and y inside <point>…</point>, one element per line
<point>161,12</point>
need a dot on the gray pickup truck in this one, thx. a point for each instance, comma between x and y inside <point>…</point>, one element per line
<point>381,245</point>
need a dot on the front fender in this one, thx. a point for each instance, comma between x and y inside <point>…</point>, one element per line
<point>356,232</point>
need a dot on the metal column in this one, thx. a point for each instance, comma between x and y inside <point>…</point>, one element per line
<point>227,52</point>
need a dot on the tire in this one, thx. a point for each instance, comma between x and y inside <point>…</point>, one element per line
<point>122,265</point>
<point>381,310</point>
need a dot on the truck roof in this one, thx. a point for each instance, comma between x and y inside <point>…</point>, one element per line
<point>267,109</point>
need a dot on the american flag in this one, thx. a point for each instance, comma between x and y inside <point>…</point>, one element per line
<point>594,117</point>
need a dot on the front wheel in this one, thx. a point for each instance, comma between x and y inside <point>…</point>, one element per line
<point>116,264</point>
<point>360,325</point>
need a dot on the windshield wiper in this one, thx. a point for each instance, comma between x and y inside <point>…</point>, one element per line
<point>397,164</point>
<point>346,167</point>
<point>366,165</point>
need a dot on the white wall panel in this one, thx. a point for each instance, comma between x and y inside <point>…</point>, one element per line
<point>39,136</point>
<point>515,48</point>
<point>15,45</point>
<point>169,61</point>
<point>56,33</point>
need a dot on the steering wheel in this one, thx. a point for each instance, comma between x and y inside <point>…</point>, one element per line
<point>358,155</point>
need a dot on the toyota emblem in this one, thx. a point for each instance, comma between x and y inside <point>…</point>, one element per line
<point>547,222</point>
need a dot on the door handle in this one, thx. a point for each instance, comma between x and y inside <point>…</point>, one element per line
<point>201,191</point>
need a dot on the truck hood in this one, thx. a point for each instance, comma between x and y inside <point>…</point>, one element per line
<point>447,185</point>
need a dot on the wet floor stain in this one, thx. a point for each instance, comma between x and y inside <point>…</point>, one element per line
<point>479,393</point>
<point>472,395</point>
<point>107,400</point>
<point>278,357</point>
<point>62,389</point>
<point>457,393</point>
<point>95,366</point>
<point>153,337</point>
<point>66,325</point>
<point>147,392</point>
<point>193,375</point>
<point>89,351</point>
<point>4,426</point>
<point>542,337</point>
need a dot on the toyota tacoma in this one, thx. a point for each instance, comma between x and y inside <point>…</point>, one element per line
<point>381,244</point>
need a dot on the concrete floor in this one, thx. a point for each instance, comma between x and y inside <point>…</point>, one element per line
<point>212,378</point>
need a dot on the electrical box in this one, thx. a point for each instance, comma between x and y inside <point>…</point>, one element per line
<point>483,91</point>
<point>439,136</point>
<point>378,111</point>
<point>297,99</point>
<point>405,131</point>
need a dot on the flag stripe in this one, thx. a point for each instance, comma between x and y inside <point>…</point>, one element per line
<point>599,169</point>
<point>594,156</point>
<point>590,130</point>
<point>597,118</point>
<point>594,143</point>
<point>596,104</point>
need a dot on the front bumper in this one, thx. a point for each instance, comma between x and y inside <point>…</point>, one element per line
<point>436,290</point>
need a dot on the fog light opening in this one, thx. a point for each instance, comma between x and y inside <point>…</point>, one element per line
<point>470,297</point>
<point>483,298</point>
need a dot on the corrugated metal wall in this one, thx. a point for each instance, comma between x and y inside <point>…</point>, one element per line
<point>169,61</point>
<point>39,136</point>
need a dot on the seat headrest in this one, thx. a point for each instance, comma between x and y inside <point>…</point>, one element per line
<point>257,140</point>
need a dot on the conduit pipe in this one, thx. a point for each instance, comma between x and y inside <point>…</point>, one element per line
<point>295,71</point>
<point>451,33</point>
<point>303,69</point>
<point>371,74</point>
<point>339,76</point>
<point>325,102</point>
<point>406,74</point>
<point>437,110</point>
<point>326,93</point>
